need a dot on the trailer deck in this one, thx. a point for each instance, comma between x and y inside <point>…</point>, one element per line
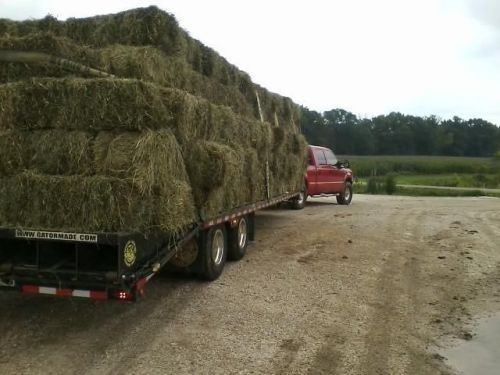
<point>105,266</point>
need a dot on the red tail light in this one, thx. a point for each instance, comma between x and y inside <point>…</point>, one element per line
<point>124,296</point>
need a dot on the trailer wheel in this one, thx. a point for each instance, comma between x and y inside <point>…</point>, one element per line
<point>238,240</point>
<point>182,263</point>
<point>213,252</point>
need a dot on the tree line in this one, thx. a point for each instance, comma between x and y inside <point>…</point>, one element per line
<point>399,134</point>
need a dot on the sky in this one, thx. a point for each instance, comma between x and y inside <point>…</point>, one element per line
<point>419,57</point>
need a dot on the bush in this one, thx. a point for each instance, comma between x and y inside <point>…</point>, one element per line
<point>372,185</point>
<point>390,184</point>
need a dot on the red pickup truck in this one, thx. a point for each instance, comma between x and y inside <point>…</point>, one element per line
<point>326,176</point>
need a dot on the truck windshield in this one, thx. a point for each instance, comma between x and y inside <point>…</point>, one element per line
<point>330,157</point>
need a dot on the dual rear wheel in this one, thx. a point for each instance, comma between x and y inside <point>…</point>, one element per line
<point>218,244</point>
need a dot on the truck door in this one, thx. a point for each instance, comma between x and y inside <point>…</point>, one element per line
<point>323,173</point>
<point>336,175</point>
<point>312,179</point>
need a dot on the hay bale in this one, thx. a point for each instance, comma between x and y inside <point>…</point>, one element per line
<point>58,152</point>
<point>11,153</point>
<point>152,27</point>
<point>82,104</point>
<point>255,176</point>
<point>208,165</point>
<point>145,63</point>
<point>44,43</point>
<point>50,152</point>
<point>223,177</point>
<point>49,43</point>
<point>158,162</point>
<point>139,152</point>
<point>142,26</point>
<point>126,104</point>
<point>97,203</point>
<point>140,185</point>
<point>288,164</point>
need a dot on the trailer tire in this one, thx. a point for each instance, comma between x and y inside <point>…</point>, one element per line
<point>213,252</point>
<point>183,263</point>
<point>238,240</point>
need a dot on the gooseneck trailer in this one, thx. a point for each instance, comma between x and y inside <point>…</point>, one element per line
<point>126,146</point>
<point>104,266</point>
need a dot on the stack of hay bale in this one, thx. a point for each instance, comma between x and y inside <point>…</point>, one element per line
<point>170,132</point>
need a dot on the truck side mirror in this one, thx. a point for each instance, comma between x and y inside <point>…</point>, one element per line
<point>342,164</point>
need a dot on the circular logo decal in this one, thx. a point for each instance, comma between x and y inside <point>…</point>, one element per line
<point>130,253</point>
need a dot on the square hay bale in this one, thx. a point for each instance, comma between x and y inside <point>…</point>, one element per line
<point>219,177</point>
<point>85,104</point>
<point>58,152</point>
<point>95,203</point>
<point>140,185</point>
<point>11,153</point>
<point>139,27</point>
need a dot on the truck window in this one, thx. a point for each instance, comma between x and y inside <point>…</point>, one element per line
<point>320,157</point>
<point>330,157</point>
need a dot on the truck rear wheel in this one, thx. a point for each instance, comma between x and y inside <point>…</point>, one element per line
<point>346,196</point>
<point>238,240</point>
<point>213,252</point>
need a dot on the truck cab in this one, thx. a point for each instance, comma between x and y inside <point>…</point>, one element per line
<point>328,176</point>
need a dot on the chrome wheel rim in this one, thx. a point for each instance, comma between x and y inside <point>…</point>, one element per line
<point>242,233</point>
<point>347,194</point>
<point>218,247</point>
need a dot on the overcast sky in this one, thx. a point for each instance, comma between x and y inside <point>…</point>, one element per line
<point>370,57</point>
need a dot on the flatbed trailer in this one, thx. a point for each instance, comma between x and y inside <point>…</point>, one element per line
<point>104,266</point>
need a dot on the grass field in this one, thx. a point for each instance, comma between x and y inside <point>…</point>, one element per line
<point>490,181</point>
<point>366,166</point>
<point>373,174</point>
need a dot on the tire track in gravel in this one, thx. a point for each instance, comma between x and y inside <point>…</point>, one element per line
<point>393,343</point>
<point>385,317</point>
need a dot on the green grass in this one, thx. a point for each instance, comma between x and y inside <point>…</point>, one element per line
<point>440,171</point>
<point>365,166</point>
<point>361,188</point>
<point>490,181</point>
<point>425,192</point>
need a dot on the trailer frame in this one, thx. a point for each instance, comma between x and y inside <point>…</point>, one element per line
<point>57,263</point>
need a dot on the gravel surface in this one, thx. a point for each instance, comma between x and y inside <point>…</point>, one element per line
<point>371,288</point>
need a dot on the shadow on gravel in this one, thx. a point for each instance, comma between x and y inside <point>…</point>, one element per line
<point>320,203</point>
<point>32,324</point>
